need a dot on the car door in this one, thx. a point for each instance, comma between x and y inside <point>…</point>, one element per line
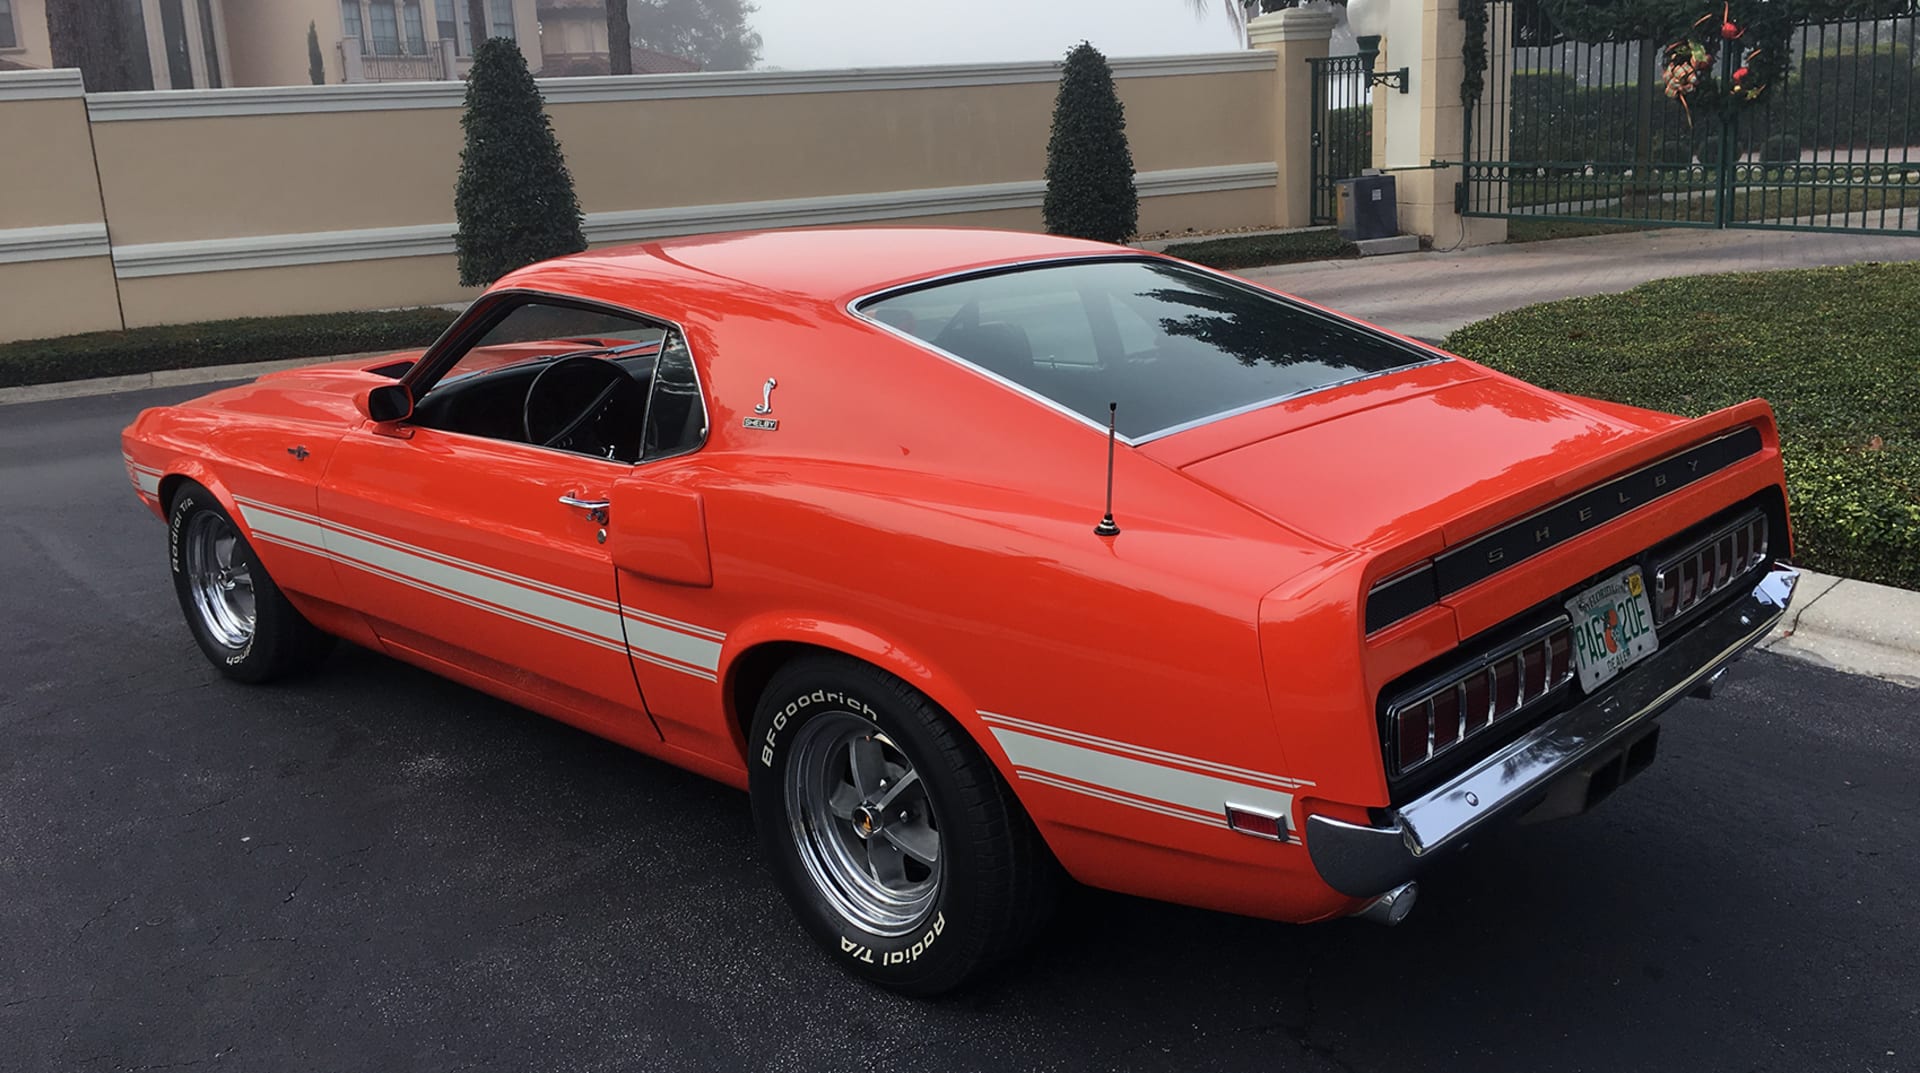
<point>482,555</point>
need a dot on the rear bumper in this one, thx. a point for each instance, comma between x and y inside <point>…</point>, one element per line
<point>1365,861</point>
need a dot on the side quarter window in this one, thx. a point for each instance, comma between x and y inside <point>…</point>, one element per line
<point>676,420</point>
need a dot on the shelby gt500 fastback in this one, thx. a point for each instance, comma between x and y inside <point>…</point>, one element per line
<point>986,559</point>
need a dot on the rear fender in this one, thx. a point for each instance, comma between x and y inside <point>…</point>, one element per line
<point>859,642</point>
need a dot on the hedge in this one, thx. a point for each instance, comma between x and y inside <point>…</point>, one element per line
<point>1252,251</point>
<point>219,342</point>
<point>1831,348</point>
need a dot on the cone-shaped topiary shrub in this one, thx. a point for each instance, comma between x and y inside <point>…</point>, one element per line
<point>514,200</point>
<point>316,66</point>
<point>1089,167</point>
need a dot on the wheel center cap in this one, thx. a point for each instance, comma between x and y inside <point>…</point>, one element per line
<point>866,821</point>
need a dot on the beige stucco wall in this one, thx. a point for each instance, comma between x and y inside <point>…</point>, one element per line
<point>48,184</point>
<point>43,299</point>
<point>227,176</point>
<point>223,215</point>
<point>47,168</point>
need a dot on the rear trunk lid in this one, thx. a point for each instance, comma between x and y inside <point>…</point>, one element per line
<point>1420,461</point>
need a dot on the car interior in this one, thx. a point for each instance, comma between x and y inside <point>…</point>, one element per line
<point>624,397</point>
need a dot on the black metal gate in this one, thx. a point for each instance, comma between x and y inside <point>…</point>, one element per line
<point>1582,130</point>
<point>1342,129</point>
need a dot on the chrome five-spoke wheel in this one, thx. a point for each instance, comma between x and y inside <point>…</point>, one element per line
<point>863,824</point>
<point>221,579</point>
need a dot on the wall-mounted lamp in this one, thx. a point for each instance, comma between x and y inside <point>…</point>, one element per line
<point>1368,21</point>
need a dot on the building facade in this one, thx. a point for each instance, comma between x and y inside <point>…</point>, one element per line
<point>211,44</point>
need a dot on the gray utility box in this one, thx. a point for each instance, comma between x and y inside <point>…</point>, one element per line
<point>1366,208</point>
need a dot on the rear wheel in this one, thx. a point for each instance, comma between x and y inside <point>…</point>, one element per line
<point>240,618</point>
<point>898,845</point>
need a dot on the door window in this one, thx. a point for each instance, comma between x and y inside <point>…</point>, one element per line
<point>573,378</point>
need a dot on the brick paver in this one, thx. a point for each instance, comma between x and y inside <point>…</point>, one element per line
<point>1428,295</point>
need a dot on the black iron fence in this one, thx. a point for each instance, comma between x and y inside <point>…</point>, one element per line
<point>1342,129</point>
<point>1583,130</point>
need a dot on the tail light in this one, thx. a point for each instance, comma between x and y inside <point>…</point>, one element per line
<point>1708,566</point>
<point>1441,715</point>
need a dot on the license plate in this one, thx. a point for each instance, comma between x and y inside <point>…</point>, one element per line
<point>1612,628</point>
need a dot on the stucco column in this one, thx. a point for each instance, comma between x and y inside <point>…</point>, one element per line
<point>1296,35</point>
<point>350,68</point>
<point>1433,52</point>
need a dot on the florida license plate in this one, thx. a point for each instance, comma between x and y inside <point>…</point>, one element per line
<point>1612,628</point>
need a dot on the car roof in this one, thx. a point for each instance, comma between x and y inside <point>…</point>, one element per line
<point>825,264</point>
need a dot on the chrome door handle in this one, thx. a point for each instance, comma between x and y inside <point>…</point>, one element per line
<point>596,508</point>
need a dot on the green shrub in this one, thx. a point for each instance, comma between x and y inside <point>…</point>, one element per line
<point>1831,348</point>
<point>514,200</point>
<point>1090,190</point>
<point>1249,251</point>
<point>1349,133</point>
<point>1853,96</point>
<point>220,342</point>
<point>1780,149</point>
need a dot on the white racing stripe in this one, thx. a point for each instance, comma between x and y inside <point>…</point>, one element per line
<point>1163,785</point>
<point>145,478</point>
<point>1279,782</point>
<point>656,639</point>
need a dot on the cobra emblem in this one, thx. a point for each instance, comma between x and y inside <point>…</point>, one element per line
<point>766,396</point>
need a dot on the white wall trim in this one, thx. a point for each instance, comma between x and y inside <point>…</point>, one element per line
<point>602,228</point>
<point>54,243</point>
<point>41,85</point>
<point>389,96</point>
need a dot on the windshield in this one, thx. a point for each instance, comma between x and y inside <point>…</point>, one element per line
<point>1172,346</point>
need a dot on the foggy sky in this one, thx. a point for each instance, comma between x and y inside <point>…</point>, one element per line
<point>799,34</point>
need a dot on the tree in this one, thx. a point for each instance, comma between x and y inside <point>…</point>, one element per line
<point>713,33</point>
<point>514,200</point>
<point>316,64</point>
<point>619,38</point>
<point>92,36</point>
<point>1089,167</point>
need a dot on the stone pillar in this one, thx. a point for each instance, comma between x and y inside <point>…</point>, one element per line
<point>1296,35</point>
<point>351,71</point>
<point>449,61</point>
<point>1426,193</point>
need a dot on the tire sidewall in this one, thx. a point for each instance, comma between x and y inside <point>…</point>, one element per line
<point>247,660</point>
<point>944,945</point>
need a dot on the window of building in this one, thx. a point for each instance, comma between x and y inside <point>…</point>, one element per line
<point>386,28</point>
<point>173,34</point>
<point>447,20</point>
<point>9,37</point>
<point>500,14</point>
<point>416,31</point>
<point>209,44</point>
<point>350,21</point>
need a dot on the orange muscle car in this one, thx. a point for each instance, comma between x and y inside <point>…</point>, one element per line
<point>983,559</point>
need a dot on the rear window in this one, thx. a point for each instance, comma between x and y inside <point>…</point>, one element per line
<point>1172,346</point>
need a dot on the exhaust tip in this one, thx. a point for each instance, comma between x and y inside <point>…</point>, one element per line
<point>1704,690</point>
<point>1392,907</point>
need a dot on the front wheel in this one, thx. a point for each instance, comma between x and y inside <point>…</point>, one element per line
<point>898,845</point>
<point>240,618</point>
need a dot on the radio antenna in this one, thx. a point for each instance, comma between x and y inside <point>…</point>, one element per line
<point>1106,528</point>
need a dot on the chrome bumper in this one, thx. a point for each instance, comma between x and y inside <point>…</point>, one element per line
<point>1364,861</point>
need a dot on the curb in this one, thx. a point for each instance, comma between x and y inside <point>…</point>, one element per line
<point>113,385</point>
<point>1853,626</point>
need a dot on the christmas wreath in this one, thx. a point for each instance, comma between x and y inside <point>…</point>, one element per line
<point>1730,57</point>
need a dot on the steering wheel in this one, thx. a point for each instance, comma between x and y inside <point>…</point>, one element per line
<point>567,378</point>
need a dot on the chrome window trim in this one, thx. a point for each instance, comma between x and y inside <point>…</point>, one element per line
<point>437,352</point>
<point>853,309</point>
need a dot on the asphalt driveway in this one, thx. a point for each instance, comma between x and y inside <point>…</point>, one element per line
<point>372,869</point>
